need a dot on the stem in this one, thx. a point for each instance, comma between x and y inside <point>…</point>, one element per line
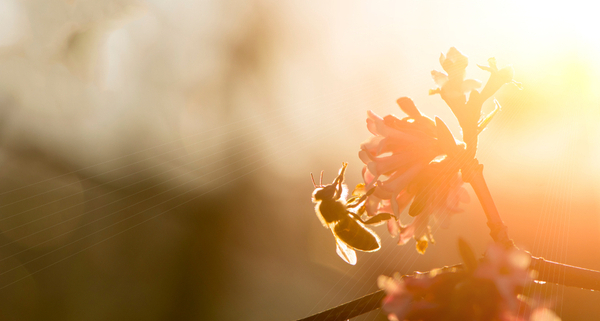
<point>498,231</point>
<point>564,274</point>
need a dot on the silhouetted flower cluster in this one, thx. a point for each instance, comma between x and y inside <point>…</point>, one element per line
<point>486,291</point>
<point>416,161</point>
<point>453,88</point>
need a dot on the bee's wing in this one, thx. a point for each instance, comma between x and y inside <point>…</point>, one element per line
<point>356,235</point>
<point>346,253</point>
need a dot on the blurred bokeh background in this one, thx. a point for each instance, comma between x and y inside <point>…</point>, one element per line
<point>155,155</point>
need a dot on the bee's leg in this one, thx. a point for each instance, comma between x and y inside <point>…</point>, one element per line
<point>338,181</point>
<point>338,189</point>
<point>355,216</point>
<point>373,220</point>
<point>379,218</point>
<point>362,199</point>
<point>356,202</point>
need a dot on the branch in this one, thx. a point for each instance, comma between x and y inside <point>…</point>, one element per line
<point>351,309</point>
<point>473,174</point>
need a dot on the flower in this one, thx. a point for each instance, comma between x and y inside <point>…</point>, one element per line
<point>414,297</point>
<point>453,88</point>
<point>397,301</point>
<point>413,159</point>
<point>544,314</point>
<point>498,78</point>
<point>508,269</point>
<point>474,292</point>
<point>452,84</point>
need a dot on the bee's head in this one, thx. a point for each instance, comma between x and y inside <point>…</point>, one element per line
<point>324,193</point>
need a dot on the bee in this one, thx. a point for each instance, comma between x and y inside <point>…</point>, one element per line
<point>348,228</point>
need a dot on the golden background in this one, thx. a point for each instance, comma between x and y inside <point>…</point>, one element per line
<point>155,155</point>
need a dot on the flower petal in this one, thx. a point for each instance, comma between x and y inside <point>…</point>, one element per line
<point>365,156</point>
<point>384,165</point>
<point>368,178</point>
<point>371,205</point>
<point>544,314</point>
<point>374,123</point>
<point>399,180</point>
<point>403,199</point>
<point>378,126</point>
<point>392,226</point>
<point>440,78</point>
<point>372,144</point>
<point>408,106</point>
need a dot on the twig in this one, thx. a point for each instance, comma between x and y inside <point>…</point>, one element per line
<point>351,309</point>
<point>564,274</point>
<point>498,231</point>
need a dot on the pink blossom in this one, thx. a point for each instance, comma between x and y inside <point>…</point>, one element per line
<point>498,77</point>
<point>453,86</point>
<point>398,299</point>
<point>484,291</point>
<point>411,164</point>
<point>508,269</point>
<point>543,314</point>
<point>409,297</point>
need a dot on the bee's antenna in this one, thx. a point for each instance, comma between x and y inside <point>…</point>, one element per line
<point>321,179</point>
<point>313,180</point>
